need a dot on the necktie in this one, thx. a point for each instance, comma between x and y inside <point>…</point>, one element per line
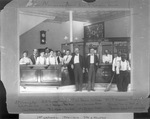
<point>58,60</point>
<point>34,59</point>
<point>67,58</point>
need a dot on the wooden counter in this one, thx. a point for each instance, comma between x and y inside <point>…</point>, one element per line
<point>40,75</point>
<point>104,73</point>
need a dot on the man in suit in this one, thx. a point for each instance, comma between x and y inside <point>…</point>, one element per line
<point>34,56</point>
<point>91,68</point>
<point>59,58</point>
<point>77,65</point>
<point>47,51</point>
<point>66,61</point>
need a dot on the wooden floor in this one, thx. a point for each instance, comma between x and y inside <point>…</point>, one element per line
<point>99,87</point>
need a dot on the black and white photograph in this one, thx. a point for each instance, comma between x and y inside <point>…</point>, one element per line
<point>79,50</point>
<point>74,58</point>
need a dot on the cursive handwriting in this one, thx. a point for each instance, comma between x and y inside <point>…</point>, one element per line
<point>76,104</point>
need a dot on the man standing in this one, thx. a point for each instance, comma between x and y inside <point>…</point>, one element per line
<point>67,59</point>
<point>116,60</point>
<point>34,56</point>
<point>41,60</point>
<point>52,59</point>
<point>46,54</point>
<point>107,58</point>
<point>114,65</point>
<point>91,68</point>
<point>122,70</point>
<point>59,58</point>
<point>77,65</point>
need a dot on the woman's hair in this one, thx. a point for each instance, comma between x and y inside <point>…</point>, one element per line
<point>25,52</point>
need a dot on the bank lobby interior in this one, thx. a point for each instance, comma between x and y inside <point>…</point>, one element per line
<point>66,29</point>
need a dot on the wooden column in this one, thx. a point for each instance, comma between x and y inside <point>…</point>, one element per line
<point>71,29</point>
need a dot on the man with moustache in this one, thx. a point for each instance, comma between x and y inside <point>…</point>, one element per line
<point>34,56</point>
<point>122,70</point>
<point>91,68</point>
<point>78,66</point>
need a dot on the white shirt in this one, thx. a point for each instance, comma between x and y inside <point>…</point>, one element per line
<point>115,61</point>
<point>51,60</point>
<point>61,59</point>
<point>107,58</point>
<point>41,61</point>
<point>91,59</point>
<point>76,59</point>
<point>46,55</point>
<point>66,59</point>
<point>25,60</point>
<point>122,66</point>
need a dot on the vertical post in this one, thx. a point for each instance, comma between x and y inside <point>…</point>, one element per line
<point>71,29</point>
<point>100,52</point>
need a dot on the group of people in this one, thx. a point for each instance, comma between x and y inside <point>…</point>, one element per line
<point>120,68</point>
<point>46,57</point>
<point>77,65</point>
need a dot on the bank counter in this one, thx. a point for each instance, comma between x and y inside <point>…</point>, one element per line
<point>53,76</point>
<point>40,75</point>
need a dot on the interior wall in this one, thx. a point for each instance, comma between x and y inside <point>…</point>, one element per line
<point>55,33</point>
<point>24,25</point>
<point>120,27</point>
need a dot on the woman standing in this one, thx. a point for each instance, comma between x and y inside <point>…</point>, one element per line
<point>25,59</point>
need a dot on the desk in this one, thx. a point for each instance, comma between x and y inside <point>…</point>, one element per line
<point>104,73</point>
<point>40,75</point>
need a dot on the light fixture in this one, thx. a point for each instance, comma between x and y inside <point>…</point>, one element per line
<point>88,1</point>
<point>65,38</point>
<point>75,38</point>
<point>43,37</point>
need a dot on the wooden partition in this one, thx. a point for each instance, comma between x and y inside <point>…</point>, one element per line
<point>40,75</point>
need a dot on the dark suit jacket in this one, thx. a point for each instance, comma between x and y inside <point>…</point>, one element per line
<point>32,59</point>
<point>88,61</point>
<point>80,60</point>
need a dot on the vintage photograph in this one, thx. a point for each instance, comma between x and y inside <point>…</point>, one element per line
<point>75,51</point>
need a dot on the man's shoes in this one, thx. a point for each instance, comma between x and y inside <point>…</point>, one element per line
<point>92,89</point>
<point>88,90</point>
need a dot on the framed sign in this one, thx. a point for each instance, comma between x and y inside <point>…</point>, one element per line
<point>94,31</point>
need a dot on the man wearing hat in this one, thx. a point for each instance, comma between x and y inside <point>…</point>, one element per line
<point>122,70</point>
<point>91,68</point>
